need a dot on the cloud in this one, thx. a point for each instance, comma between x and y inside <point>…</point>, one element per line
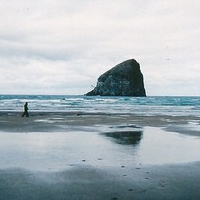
<point>57,46</point>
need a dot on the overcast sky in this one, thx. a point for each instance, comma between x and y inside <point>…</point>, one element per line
<point>63,46</point>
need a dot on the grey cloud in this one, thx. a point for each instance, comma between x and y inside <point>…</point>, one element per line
<point>82,39</point>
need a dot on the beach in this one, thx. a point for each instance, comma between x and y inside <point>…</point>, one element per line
<point>43,121</point>
<point>70,155</point>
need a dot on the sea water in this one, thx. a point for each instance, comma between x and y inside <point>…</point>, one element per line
<point>146,106</point>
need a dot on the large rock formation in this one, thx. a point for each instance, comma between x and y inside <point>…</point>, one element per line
<point>125,79</point>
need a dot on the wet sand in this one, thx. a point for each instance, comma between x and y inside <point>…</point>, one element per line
<point>84,178</point>
<point>51,121</point>
<point>180,182</point>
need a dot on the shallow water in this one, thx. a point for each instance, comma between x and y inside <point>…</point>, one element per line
<point>106,147</point>
<point>161,147</point>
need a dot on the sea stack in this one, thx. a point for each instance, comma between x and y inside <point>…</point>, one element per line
<point>125,79</point>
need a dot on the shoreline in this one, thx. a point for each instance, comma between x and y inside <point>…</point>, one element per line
<point>47,121</point>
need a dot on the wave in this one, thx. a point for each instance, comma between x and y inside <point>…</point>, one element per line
<point>78,103</point>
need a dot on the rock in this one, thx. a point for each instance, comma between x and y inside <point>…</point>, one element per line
<point>125,79</point>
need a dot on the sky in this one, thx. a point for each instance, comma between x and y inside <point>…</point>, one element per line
<point>63,46</point>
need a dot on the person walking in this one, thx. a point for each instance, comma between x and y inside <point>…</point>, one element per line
<point>25,113</point>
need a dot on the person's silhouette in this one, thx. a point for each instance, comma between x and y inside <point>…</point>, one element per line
<point>25,113</point>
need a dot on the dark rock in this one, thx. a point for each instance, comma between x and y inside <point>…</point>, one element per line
<point>125,79</point>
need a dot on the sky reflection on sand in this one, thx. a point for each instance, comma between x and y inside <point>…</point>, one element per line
<point>161,147</point>
<point>130,147</point>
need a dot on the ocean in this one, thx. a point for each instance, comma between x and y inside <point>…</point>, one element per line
<point>146,106</point>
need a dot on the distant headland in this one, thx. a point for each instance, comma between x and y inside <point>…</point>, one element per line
<point>125,79</point>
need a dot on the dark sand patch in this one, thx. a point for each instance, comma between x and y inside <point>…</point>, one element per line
<point>85,183</point>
